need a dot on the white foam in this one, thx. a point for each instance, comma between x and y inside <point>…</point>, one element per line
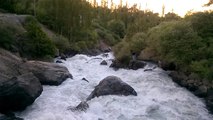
<point>158,97</point>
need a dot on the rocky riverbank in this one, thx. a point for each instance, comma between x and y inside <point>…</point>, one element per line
<point>21,81</point>
<point>199,87</point>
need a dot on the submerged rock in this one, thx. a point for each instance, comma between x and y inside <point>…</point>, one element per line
<point>19,92</point>
<point>112,85</point>
<point>103,62</point>
<point>84,79</point>
<point>83,106</point>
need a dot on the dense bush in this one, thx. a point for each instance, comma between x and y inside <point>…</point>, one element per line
<point>176,42</point>
<point>18,6</point>
<point>122,52</point>
<point>124,49</point>
<point>202,24</point>
<point>117,27</point>
<point>188,43</point>
<point>85,39</point>
<point>108,36</point>
<point>36,43</point>
<point>61,43</point>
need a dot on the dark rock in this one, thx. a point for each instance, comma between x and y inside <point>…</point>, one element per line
<point>107,50</point>
<point>85,80</point>
<point>9,63</point>
<point>105,55</point>
<point>209,100</point>
<point>193,76</point>
<point>9,116</point>
<point>136,64</point>
<point>167,65</point>
<point>63,57</point>
<point>116,65</point>
<point>178,77</point>
<point>103,62</point>
<point>104,47</point>
<point>83,106</point>
<point>201,92</point>
<point>58,61</point>
<point>47,73</point>
<point>19,92</point>
<point>191,87</point>
<point>92,52</point>
<point>148,70</point>
<point>112,85</point>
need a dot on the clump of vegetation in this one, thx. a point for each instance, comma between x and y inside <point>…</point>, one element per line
<point>18,6</point>
<point>117,27</point>
<point>186,42</point>
<point>61,43</point>
<point>84,40</point>
<point>36,43</point>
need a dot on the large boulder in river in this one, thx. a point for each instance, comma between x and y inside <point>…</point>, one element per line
<point>9,63</point>
<point>47,73</point>
<point>112,85</point>
<point>18,92</point>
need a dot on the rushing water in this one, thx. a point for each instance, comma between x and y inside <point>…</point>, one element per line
<point>158,97</point>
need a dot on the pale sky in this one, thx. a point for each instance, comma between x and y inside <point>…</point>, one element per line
<point>180,7</point>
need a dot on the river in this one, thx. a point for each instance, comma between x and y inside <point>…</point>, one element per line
<point>159,98</point>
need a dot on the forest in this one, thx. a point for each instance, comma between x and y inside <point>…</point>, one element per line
<point>80,25</point>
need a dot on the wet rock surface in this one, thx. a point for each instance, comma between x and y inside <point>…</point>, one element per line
<point>112,85</point>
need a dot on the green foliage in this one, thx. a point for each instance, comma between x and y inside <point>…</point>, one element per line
<point>122,52</point>
<point>171,16</point>
<point>138,42</point>
<point>61,43</point>
<point>18,6</point>
<point>104,34</point>
<point>176,42</point>
<point>65,16</point>
<point>187,42</point>
<point>143,23</point>
<point>204,68</point>
<point>117,27</point>
<point>84,40</point>
<point>202,23</point>
<point>36,43</point>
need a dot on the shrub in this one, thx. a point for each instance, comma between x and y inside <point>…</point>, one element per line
<point>175,41</point>
<point>122,52</point>
<point>204,68</point>
<point>138,42</point>
<point>36,43</point>
<point>117,27</point>
<point>84,39</point>
<point>61,43</point>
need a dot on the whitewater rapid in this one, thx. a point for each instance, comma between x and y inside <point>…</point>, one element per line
<point>159,98</point>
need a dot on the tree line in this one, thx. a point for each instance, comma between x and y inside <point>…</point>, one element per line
<point>80,25</point>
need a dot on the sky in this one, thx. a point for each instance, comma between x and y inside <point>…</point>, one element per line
<point>180,7</point>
